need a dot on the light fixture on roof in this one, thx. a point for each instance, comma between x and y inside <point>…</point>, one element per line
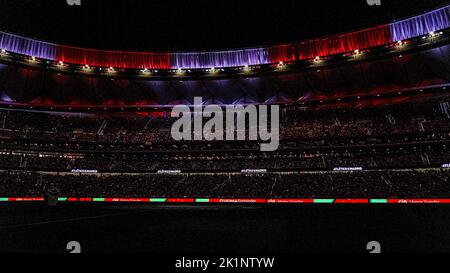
<point>111,69</point>
<point>281,66</point>
<point>400,43</point>
<point>3,51</point>
<point>33,59</point>
<point>434,34</point>
<point>317,59</point>
<point>357,51</point>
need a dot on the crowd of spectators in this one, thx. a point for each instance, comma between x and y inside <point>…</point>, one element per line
<point>313,142</point>
<point>364,184</point>
<point>393,157</point>
<point>296,124</point>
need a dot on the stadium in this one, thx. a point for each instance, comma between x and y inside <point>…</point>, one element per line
<point>214,127</point>
<point>364,118</point>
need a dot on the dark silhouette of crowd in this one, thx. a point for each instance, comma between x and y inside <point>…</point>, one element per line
<point>312,126</point>
<point>400,147</point>
<point>364,184</point>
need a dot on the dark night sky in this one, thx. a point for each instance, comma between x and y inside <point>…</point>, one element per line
<point>163,25</point>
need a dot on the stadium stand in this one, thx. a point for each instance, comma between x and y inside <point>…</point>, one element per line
<point>369,117</point>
